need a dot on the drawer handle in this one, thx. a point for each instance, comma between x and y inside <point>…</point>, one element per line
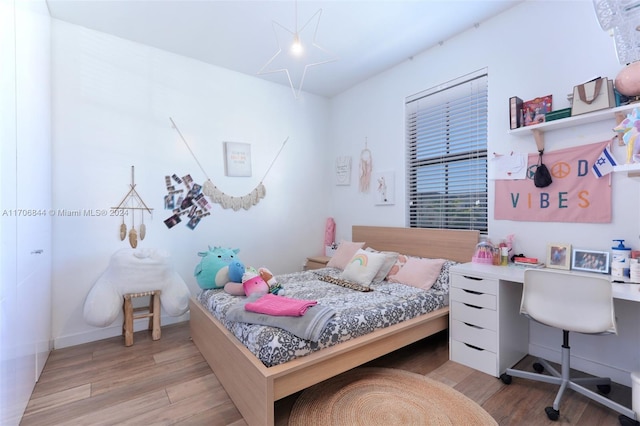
<point>474,347</point>
<point>472,306</point>
<point>472,291</point>
<point>472,278</point>
<point>473,326</point>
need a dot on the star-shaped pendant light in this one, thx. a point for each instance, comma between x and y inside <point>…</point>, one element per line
<point>297,51</point>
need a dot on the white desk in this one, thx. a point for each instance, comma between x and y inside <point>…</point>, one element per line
<point>486,329</point>
<point>515,274</point>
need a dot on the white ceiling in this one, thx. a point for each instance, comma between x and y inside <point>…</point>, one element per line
<point>366,37</point>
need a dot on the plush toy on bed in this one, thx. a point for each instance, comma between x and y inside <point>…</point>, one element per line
<point>235,286</point>
<point>261,281</point>
<point>218,267</point>
<point>274,286</point>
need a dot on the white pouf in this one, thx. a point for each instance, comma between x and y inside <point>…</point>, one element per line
<point>135,271</point>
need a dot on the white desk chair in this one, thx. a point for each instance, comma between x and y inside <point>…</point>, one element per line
<point>570,302</point>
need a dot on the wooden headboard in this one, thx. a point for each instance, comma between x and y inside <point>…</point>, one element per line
<point>457,245</point>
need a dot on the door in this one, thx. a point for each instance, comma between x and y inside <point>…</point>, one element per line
<point>25,176</point>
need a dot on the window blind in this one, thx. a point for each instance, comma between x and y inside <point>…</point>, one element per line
<point>446,147</point>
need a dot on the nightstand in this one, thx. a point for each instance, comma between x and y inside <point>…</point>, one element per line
<point>316,262</point>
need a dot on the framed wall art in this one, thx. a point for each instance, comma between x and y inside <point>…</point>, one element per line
<point>385,185</point>
<point>237,159</point>
<point>343,171</point>
<point>590,261</point>
<point>559,256</point>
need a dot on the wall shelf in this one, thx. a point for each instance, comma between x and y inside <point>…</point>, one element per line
<point>538,130</point>
<point>633,170</point>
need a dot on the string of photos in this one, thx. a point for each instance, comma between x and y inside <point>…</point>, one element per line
<point>132,202</point>
<point>195,204</point>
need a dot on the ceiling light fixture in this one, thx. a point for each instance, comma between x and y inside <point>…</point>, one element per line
<point>303,51</point>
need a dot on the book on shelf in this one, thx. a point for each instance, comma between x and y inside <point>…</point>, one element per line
<point>536,265</point>
<point>534,111</point>
<point>524,259</point>
<point>515,112</point>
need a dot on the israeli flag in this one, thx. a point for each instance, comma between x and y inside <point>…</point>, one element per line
<point>604,164</point>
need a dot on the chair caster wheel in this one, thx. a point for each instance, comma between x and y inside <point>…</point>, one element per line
<point>605,389</point>
<point>506,379</point>
<point>539,368</point>
<point>552,414</point>
<point>626,421</point>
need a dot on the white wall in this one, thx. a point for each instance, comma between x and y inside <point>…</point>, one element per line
<point>112,103</point>
<point>534,49</point>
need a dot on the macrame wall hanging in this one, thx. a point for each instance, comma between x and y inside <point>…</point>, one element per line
<point>366,165</point>
<point>131,203</point>
<point>217,196</point>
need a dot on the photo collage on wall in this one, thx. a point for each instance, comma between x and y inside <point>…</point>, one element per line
<point>194,205</point>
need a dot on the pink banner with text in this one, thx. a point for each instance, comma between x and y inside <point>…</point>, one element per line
<point>575,195</point>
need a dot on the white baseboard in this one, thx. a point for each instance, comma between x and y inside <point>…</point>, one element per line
<point>111,331</point>
<point>617,375</point>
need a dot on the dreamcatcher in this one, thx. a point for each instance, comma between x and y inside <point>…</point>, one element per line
<point>366,165</point>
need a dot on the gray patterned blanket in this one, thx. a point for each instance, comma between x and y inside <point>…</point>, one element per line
<point>357,313</point>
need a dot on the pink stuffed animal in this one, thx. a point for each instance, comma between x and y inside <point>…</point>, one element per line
<point>263,282</point>
<point>255,285</point>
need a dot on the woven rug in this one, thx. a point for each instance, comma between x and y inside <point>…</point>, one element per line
<point>385,396</point>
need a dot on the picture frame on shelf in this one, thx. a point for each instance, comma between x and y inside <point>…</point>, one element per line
<point>535,110</point>
<point>590,261</point>
<point>559,256</point>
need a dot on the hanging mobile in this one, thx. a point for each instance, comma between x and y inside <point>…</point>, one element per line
<point>132,202</point>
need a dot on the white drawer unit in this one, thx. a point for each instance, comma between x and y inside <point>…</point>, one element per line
<point>486,330</point>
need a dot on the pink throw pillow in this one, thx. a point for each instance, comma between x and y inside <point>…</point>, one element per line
<point>400,261</point>
<point>419,272</point>
<point>344,253</point>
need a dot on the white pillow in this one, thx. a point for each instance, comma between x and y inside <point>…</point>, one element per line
<point>390,258</point>
<point>363,267</point>
<point>343,254</point>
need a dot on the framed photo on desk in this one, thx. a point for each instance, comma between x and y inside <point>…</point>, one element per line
<point>590,261</point>
<point>559,256</point>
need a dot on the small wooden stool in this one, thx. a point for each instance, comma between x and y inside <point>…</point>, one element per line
<point>152,312</point>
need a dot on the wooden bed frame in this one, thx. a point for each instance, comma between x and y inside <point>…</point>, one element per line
<point>254,388</point>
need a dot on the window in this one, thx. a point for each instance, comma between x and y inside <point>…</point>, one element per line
<point>446,145</point>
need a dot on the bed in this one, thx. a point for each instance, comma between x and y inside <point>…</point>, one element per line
<point>254,387</point>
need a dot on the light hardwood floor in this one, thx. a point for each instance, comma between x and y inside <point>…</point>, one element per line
<point>168,382</point>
